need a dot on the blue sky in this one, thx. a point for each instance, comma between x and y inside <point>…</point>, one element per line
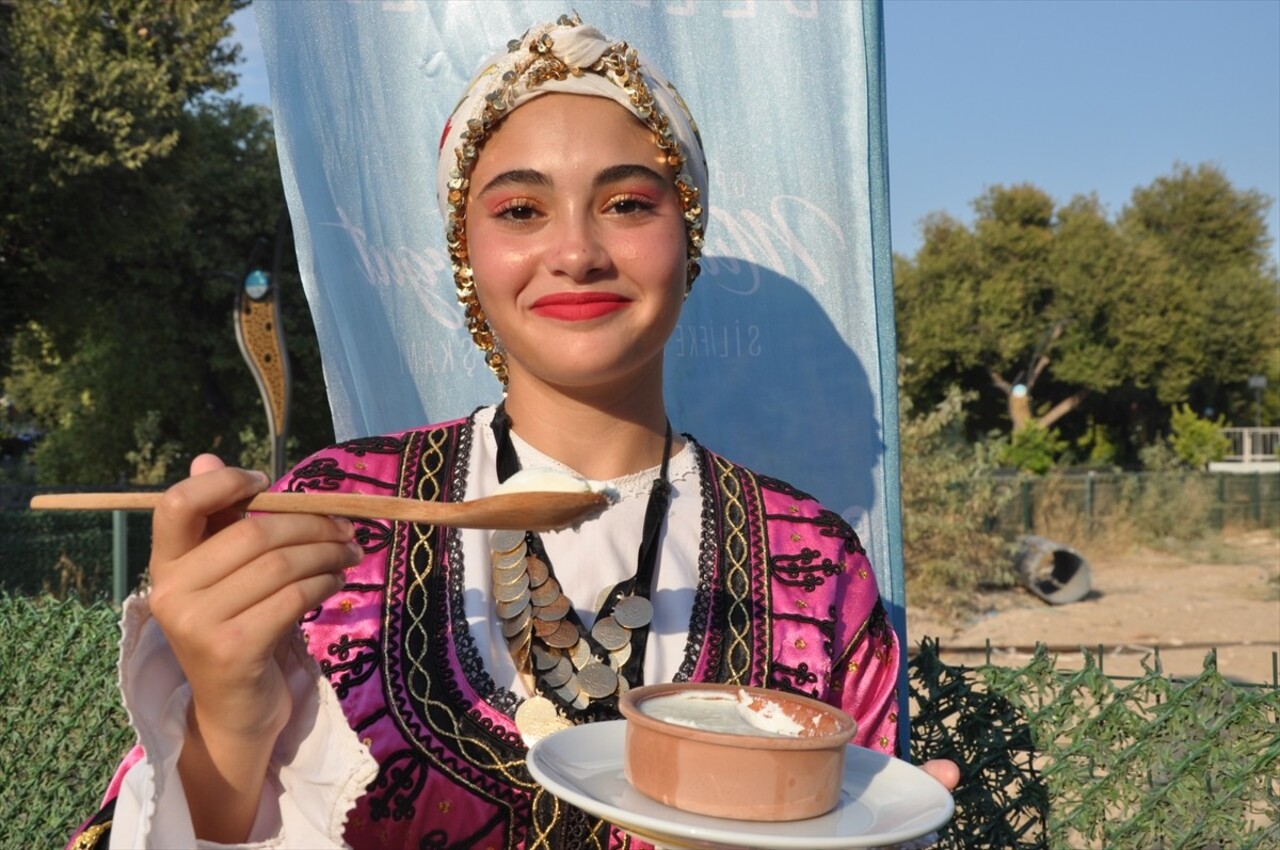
<point>1074,96</point>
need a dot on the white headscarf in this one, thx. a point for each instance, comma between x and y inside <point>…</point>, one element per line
<point>566,57</point>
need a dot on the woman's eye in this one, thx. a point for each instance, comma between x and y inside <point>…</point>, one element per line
<point>516,211</point>
<point>627,205</point>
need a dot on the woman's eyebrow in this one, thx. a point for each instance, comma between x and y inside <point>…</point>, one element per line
<point>627,171</point>
<point>519,176</point>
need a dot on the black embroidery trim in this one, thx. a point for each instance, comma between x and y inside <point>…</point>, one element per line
<point>357,660</point>
<point>361,587</point>
<point>826,627</point>
<point>800,675</point>
<point>370,720</point>
<point>324,473</point>
<point>735,589</point>
<point>783,487</point>
<point>707,552</point>
<point>463,644</point>
<point>830,524</point>
<point>401,778</point>
<point>762,589</point>
<point>383,444</point>
<point>798,570</point>
<point>372,536</point>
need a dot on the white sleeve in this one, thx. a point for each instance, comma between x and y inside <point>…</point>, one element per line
<point>318,768</point>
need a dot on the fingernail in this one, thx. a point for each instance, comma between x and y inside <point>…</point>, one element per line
<point>345,526</point>
<point>262,478</point>
<point>356,549</point>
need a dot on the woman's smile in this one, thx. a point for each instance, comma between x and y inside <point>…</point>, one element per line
<point>579,306</point>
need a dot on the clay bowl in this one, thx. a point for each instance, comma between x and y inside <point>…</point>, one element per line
<point>748,775</point>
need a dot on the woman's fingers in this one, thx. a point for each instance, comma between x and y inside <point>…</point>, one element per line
<point>242,581</point>
<point>192,509</point>
<point>270,541</point>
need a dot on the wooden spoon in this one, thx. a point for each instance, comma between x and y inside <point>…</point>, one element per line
<point>520,511</point>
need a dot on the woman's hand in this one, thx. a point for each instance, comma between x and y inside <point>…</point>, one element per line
<point>227,592</point>
<point>945,771</point>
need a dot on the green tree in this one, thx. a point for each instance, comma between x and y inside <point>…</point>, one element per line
<point>1052,311</point>
<point>1216,238</point>
<point>90,91</point>
<point>123,250</point>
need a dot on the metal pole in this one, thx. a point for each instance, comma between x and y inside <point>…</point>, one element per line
<point>1088,502</point>
<point>119,556</point>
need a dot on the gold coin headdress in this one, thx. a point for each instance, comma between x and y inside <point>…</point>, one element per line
<point>568,57</point>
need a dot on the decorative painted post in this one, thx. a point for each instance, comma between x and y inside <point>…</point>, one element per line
<point>261,338</point>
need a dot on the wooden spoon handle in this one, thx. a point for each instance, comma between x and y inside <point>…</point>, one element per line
<point>529,511</point>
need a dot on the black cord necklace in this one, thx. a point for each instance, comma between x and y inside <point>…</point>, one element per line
<point>577,674</point>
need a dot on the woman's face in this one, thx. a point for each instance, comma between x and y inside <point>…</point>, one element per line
<point>577,243</point>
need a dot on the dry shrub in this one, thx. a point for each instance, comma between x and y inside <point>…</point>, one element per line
<point>950,502</point>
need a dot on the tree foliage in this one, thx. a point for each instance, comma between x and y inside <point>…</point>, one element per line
<point>129,212</point>
<point>1060,316</point>
<point>1195,440</point>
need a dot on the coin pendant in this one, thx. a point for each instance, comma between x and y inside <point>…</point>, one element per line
<point>511,627</point>
<point>609,634</point>
<point>506,540</point>
<point>510,575</point>
<point>537,717</point>
<point>569,691</point>
<point>580,654</point>
<point>538,572</point>
<point>557,610</point>
<point>511,592</point>
<point>565,635</point>
<point>543,658</point>
<point>546,593</point>
<point>602,596</point>
<point>518,646</point>
<point>634,612</point>
<point>507,560</point>
<point>619,657</point>
<point>543,628</point>
<point>597,680</point>
<point>507,610</point>
<point>558,675</point>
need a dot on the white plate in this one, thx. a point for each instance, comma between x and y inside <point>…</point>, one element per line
<point>884,800</point>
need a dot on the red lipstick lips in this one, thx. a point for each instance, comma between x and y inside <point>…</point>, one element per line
<point>579,306</point>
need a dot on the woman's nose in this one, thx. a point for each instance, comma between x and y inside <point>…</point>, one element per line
<point>577,252</point>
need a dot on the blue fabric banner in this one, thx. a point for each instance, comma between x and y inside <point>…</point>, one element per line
<point>784,359</point>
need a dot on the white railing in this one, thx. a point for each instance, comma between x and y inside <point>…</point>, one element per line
<point>1250,445</point>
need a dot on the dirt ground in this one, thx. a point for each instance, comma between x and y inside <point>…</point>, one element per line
<point>1223,594</point>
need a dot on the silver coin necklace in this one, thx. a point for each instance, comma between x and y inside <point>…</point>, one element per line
<point>574,674</point>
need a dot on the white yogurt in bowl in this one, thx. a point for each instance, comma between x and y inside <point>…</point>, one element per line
<point>736,713</point>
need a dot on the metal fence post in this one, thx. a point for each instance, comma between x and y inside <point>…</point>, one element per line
<point>119,556</point>
<point>1222,501</point>
<point>1088,502</point>
<point>1026,506</point>
<point>1257,498</point>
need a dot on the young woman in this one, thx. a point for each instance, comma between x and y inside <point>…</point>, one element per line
<point>573,186</point>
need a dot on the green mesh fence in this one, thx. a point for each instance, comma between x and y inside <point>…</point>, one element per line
<point>1074,759</point>
<point>63,728</point>
<point>1051,758</point>
<point>65,553</point>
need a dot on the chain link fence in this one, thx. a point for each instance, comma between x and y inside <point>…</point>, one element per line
<point>1162,504</point>
<point>1050,758</point>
